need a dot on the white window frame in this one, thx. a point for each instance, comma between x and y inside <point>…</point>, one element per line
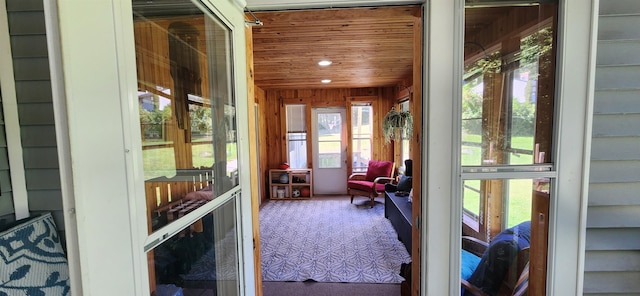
<point>405,144</point>
<point>353,135</point>
<point>440,260</point>
<point>288,131</point>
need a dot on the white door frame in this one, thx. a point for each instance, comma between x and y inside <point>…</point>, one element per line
<point>329,180</point>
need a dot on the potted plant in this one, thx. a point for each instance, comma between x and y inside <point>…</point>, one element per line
<point>397,125</point>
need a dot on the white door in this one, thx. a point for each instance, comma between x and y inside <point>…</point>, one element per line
<point>329,150</point>
<point>212,33</point>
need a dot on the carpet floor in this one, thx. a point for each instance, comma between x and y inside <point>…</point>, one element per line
<point>329,240</point>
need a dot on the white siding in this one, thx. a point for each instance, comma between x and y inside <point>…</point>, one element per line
<point>612,259</point>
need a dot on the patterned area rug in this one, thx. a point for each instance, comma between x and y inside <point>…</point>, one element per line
<point>329,241</point>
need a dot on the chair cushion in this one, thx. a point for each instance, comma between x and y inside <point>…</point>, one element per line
<point>364,185</point>
<point>380,187</point>
<point>359,185</point>
<point>378,169</point>
<point>469,264</point>
<point>32,261</point>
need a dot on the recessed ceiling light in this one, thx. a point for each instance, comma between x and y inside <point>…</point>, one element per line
<point>325,80</point>
<point>324,63</point>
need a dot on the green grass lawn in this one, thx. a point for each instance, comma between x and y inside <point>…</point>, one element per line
<point>160,162</point>
<point>519,191</point>
<point>519,199</point>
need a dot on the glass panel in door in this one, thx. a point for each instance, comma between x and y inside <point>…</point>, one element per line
<point>506,139</point>
<point>497,252</point>
<point>187,110</point>
<point>189,147</point>
<point>329,151</point>
<point>329,140</point>
<point>202,259</point>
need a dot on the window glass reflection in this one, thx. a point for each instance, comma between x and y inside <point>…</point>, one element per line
<point>505,224</point>
<point>187,108</point>
<point>507,104</point>
<point>200,260</point>
<point>507,112</point>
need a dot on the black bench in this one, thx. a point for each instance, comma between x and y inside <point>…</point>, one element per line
<point>398,210</point>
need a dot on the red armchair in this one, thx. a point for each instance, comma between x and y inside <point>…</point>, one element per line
<point>372,182</point>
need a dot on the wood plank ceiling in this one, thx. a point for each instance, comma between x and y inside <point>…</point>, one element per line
<point>369,47</point>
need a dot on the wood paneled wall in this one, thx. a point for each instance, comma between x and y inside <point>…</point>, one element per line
<point>511,25</point>
<point>152,53</point>
<point>261,103</point>
<point>272,133</point>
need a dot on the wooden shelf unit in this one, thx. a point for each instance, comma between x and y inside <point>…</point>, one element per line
<point>297,179</point>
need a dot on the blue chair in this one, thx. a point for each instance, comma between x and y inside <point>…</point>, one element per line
<point>503,266</point>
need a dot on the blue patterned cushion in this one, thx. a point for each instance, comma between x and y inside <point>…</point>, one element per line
<point>32,261</point>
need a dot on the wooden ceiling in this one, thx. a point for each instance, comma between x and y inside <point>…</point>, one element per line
<point>369,47</point>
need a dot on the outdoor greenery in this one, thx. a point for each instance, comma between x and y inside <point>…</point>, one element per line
<point>160,162</point>
<point>200,118</point>
<point>152,122</point>
<point>519,199</point>
<point>522,115</point>
<point>519,190</point>
<point>472,108</point>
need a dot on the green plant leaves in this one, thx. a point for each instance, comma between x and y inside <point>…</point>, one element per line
<point>397,125</point>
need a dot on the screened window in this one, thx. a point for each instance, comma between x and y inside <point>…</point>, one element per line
<point>189,148</point>
<point>362,133</point>
<point>404,149</point>
<point>187,111</point>
<point>507,111</point>
<point>297,136</point>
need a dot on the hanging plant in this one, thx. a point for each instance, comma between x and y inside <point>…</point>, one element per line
<point>397,125</point>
